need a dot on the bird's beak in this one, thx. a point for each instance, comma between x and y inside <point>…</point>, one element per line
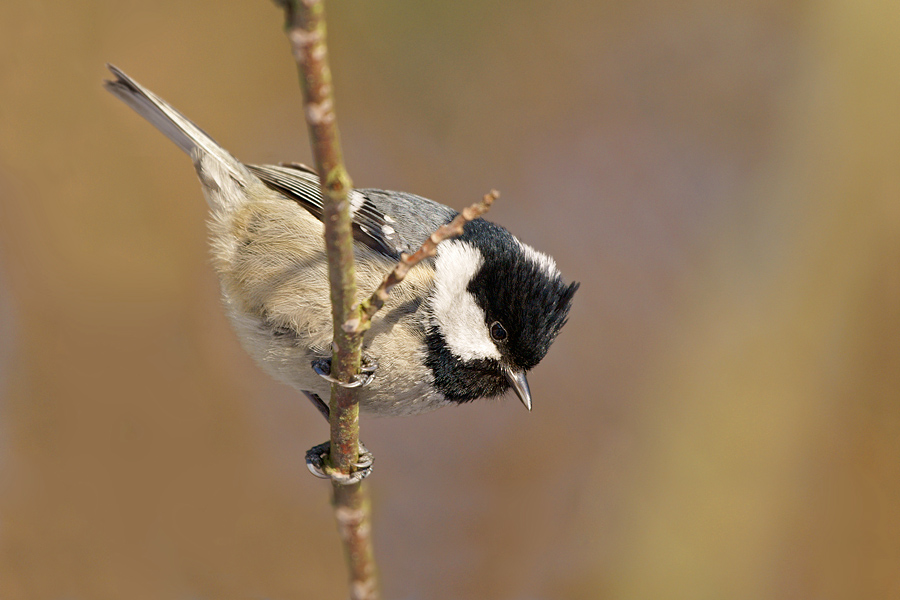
<point>519,384</point>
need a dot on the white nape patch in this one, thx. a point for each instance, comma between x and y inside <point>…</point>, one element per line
<point>544,262</point>
<point>458,316</point>
<point>356,201</point>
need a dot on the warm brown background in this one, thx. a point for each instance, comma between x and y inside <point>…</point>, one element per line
<point>720,419</point>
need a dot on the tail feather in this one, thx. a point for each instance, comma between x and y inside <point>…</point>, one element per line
<point>175,126</point>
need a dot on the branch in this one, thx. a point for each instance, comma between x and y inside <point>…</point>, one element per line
<point>454,228</point>
<point>305,25</point>
<point>306,30</point>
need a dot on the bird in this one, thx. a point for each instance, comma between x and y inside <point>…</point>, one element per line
<point>468,323</point>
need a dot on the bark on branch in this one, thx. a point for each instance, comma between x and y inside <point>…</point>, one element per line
<point>305,25</point>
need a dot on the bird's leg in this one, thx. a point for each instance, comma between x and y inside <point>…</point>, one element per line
<point>316,456</point>
<point>319,404</point>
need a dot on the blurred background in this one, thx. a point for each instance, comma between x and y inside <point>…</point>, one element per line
<point>720,418</point>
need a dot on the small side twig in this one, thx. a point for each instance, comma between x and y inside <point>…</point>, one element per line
<point>454,228</point>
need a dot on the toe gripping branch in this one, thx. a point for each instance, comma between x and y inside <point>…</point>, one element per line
<point>322,367</point>
<point>317,457</point>
<point>318,464</point>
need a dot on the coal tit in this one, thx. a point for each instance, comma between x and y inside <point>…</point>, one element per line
<point>466,324</point>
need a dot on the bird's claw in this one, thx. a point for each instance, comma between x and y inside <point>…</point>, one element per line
<point>365,460</point>
<point>318,464</point>
<point>322,367</point>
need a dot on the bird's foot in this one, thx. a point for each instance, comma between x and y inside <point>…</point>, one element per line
<point>322,367</point>
<point>318,464</point>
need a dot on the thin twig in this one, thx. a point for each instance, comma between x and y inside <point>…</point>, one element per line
<point>305,25</point>
<point>306,31</point>
<point>454,228</point>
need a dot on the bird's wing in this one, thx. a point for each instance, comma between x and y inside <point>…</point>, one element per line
<point>387,222</point>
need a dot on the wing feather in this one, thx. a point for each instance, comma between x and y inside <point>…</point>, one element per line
<point>370,225</point>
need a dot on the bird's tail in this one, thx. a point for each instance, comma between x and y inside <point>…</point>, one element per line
<point>187,136</point>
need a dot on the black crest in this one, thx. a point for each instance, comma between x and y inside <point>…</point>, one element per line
<point>531,301</point>
<point>528,299</point>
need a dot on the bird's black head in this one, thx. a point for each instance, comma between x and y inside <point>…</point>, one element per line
<point>497,307</point>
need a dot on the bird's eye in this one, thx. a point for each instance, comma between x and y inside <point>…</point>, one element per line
<point>498,332</point>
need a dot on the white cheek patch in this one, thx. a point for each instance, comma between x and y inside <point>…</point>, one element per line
<point>544,262</point>
<point>457,314</point>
